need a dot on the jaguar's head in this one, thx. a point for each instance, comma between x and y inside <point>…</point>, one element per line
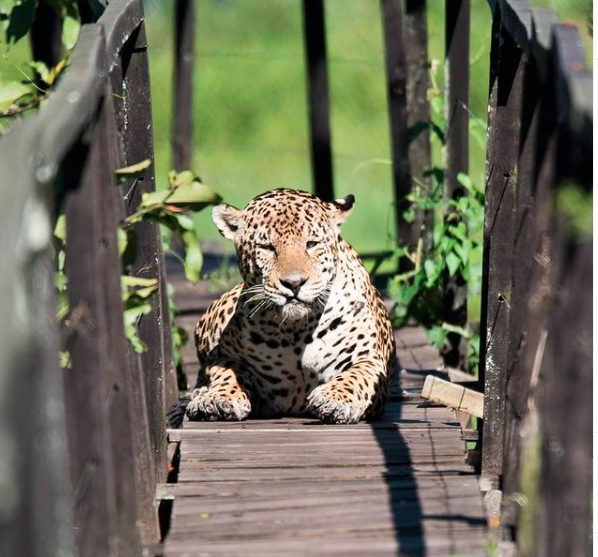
<point>287,246</point>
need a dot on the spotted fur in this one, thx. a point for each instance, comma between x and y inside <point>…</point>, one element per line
<point>306,332</point>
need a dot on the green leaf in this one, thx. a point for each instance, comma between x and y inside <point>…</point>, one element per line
<point>60,228</point>
<point>134,170</point>
<point>431,272</point>
<point>123,240</point>
<point>452,262</point>
<point>41,70</point>
<point>65,359</point>
<point>193,256</point>
<point>62,305</point>
<point>139,287</point>
<point>17,18</point>
<point>437,104</point>
<point>437,336</point>
<point>463,250</point>
<point>71,26</point>
<point>190,195</point>
<point>459,231</point>
<point>465,181</point>
<point>131,317</point>
<point>11,92</point>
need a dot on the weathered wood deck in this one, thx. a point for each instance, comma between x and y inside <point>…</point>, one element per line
<point>299,487</point>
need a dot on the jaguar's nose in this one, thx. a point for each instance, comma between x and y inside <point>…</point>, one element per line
<point>293,283</point>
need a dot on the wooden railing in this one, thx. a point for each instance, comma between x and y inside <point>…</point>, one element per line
<point>536,317</point>
<point>107,410</point>
<point>84,447</point>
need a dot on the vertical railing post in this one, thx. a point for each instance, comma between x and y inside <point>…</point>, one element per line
<point>531,261</point>
<point>456,103</point>
<point>46,42</point>
<point>505,111</point>
<point>154,328</point>
<point>97,387</point>
<point>418,110</point>
<point>396,90</point>
<point>314,32</point>
<point>145,466</point>
<point>184,59</point>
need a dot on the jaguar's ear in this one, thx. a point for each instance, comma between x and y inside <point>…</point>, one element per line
<point>340,209</point>
<point>228,220</point>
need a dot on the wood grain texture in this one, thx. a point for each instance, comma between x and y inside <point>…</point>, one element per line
<point>295,486</point>
<point>502,174</point>
<point>154,328</point>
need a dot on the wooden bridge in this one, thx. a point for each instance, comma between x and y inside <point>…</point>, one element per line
<point>87,466</point>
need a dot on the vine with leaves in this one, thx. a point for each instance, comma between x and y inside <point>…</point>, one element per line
<point>455,247</point>
<point>173,209</point>
<point>36,78</point>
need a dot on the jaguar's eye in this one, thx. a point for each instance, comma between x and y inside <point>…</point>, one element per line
<point>313,243</point>
<point>267,247</point>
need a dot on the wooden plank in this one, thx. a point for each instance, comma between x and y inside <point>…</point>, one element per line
<point>454,396</point>
<point>184,60</point>
<point>314,32</point>
<point>396,90</point>
<point>257,490</point>
<point>456,106</point>
<point>499,234</point>
<point>340,545</point>
<point>267,486</point>
<point>418,110</point>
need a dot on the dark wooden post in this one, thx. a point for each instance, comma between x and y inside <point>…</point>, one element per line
<point>499,235</point>
<point>530,299</point>
<point>396,89</point>
<point>456,102</point>
<point>184,59</point>
<point>314,30</point>
<point>46,42</point>
<point>154,328</point>
<point>418,110</point>
<point>564,506</point>
<point>145,466</point>
<point>97,386</point>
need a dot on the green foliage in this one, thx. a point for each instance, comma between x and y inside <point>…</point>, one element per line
<point>169,207</point>
<point>575,206</point>
<point>454,250</point>
<point>16,19</point>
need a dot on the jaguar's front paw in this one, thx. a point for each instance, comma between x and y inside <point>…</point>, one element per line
<point>208,406</point>
<point>333,404</point>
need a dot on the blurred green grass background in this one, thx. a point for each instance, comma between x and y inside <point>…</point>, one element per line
<point>250,112</point>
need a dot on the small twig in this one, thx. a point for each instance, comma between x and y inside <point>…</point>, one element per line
<point>17,109</point>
